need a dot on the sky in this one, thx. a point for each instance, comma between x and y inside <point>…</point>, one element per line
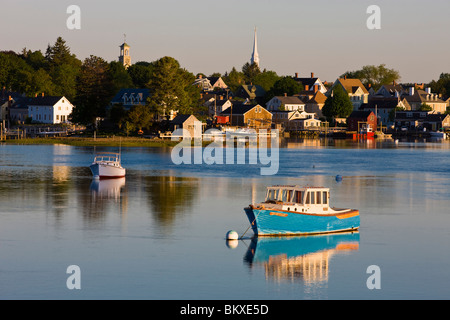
<point>294,36</point>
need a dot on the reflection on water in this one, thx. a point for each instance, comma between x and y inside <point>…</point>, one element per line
<point>107,189</point>
<point>304,259</point>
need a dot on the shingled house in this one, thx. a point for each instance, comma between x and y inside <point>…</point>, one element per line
<point>252,116</point>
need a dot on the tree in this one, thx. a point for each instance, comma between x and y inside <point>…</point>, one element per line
<point>234,79</point>
<point>140,73</point>
<point>120,78</point>
<point>171,88</point>
<point>93,91</point>
<point>442,85</point>
<point>63,67</point>
<point>250,71</point>
<point>425,107</point>
<point>338,104</point>
<point>140,117</point>
<point>375,76</point>
<point>285,85</point>
<point>266,79</point>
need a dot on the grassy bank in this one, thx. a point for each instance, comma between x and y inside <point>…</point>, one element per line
<point>97,142</point>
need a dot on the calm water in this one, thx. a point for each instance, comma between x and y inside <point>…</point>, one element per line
<point>160,234</point>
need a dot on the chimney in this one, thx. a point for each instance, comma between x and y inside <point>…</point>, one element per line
<point>428,90</point>
<point>312,74</point>
<point>411,91</point>
<point>200,76</point>
<point>285,94</point>
<point>296,74</point>
<point>306,87</point>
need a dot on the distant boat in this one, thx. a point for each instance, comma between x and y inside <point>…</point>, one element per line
<point>107,166</point>
<point>294,210</point>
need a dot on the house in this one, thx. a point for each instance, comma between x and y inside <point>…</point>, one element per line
<point>250,92</point>
<point>391,90</point>
<point>294,119</point>
<point>191,125</point>
<point>316,103</point>
<point>130,97</point>
<point>288,103</point>
<point>416,98</point>
<point>409,119</point>
<point>18,112</point>
<point>311,84</point>
<point>252,116</point>
<point>382,107</point>
<point>436,122</point>
<point>50,109</point>
<point>210,83</point>
<point>357,118</point>
<point>356,91</point>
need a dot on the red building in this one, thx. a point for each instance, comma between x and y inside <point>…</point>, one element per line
<point>357,119</point>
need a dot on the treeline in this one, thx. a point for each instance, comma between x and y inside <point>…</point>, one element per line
<point>92,83</point>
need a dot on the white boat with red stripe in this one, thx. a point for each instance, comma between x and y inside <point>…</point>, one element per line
<point>107,165</point>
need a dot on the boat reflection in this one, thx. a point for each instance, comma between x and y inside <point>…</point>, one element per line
<point>107,189</point>
<point>290,259</point>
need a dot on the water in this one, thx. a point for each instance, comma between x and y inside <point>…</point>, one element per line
<point>160,234</point>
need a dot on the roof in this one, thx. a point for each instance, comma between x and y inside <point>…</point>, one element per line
<point>44,101</point>
<point>382,102</point>
<point>252,90</point>
<point>118,98</point>
<point>360,114</point>
<point>290,99</point>
<point>180,119</point>
<point>351,85</point>
<point>421,97</point>
<point>307,82</point>
<point>318,98</point>
<point>238,108</point>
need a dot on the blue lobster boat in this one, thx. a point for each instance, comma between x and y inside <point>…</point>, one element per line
<point>295,210</point>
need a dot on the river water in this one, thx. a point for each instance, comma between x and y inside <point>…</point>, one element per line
<point>160,232</point>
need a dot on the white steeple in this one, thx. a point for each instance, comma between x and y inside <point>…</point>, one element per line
<point>255,56</point>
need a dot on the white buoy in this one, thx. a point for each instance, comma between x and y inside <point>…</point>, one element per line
<point>232,235</point>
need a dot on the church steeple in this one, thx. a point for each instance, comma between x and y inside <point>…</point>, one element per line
<point>125,57</point>
<point>255,55</point>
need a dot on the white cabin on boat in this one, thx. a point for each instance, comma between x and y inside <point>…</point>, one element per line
<point>299,199</point>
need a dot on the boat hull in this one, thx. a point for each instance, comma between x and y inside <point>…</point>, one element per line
<point>266,222</point>
<point>102,171</point>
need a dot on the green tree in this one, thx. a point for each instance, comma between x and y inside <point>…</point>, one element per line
<point>375,76</point>
<point>140,117</point>
<point>250,71</point>
<point>234,79</point>
<point>338,104</point>
<point>266,79</point>
<point>425,107</point>
<point>285,85</point>
<point>120,78</point>
<point>63,67</point>
<point>442,85</point>
<point>93,91</point>
<point>171,88</point>
<point>140,73</point>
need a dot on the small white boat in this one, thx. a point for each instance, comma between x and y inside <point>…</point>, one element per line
<point>107,166</point>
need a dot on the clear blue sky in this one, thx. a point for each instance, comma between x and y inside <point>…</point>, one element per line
<point>324,37</point>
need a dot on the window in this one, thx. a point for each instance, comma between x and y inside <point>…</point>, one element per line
<point>57,117</point>
<point>312,198</point>
<point>325,197</point>
<point>318,197</point>
<point>298,197</point>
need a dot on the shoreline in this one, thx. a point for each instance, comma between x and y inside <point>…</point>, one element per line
<point>95,142</point>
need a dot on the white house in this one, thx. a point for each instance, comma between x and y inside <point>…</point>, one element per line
<point>50,109</point>
<point>356,91</point>
<point>286,103</point>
